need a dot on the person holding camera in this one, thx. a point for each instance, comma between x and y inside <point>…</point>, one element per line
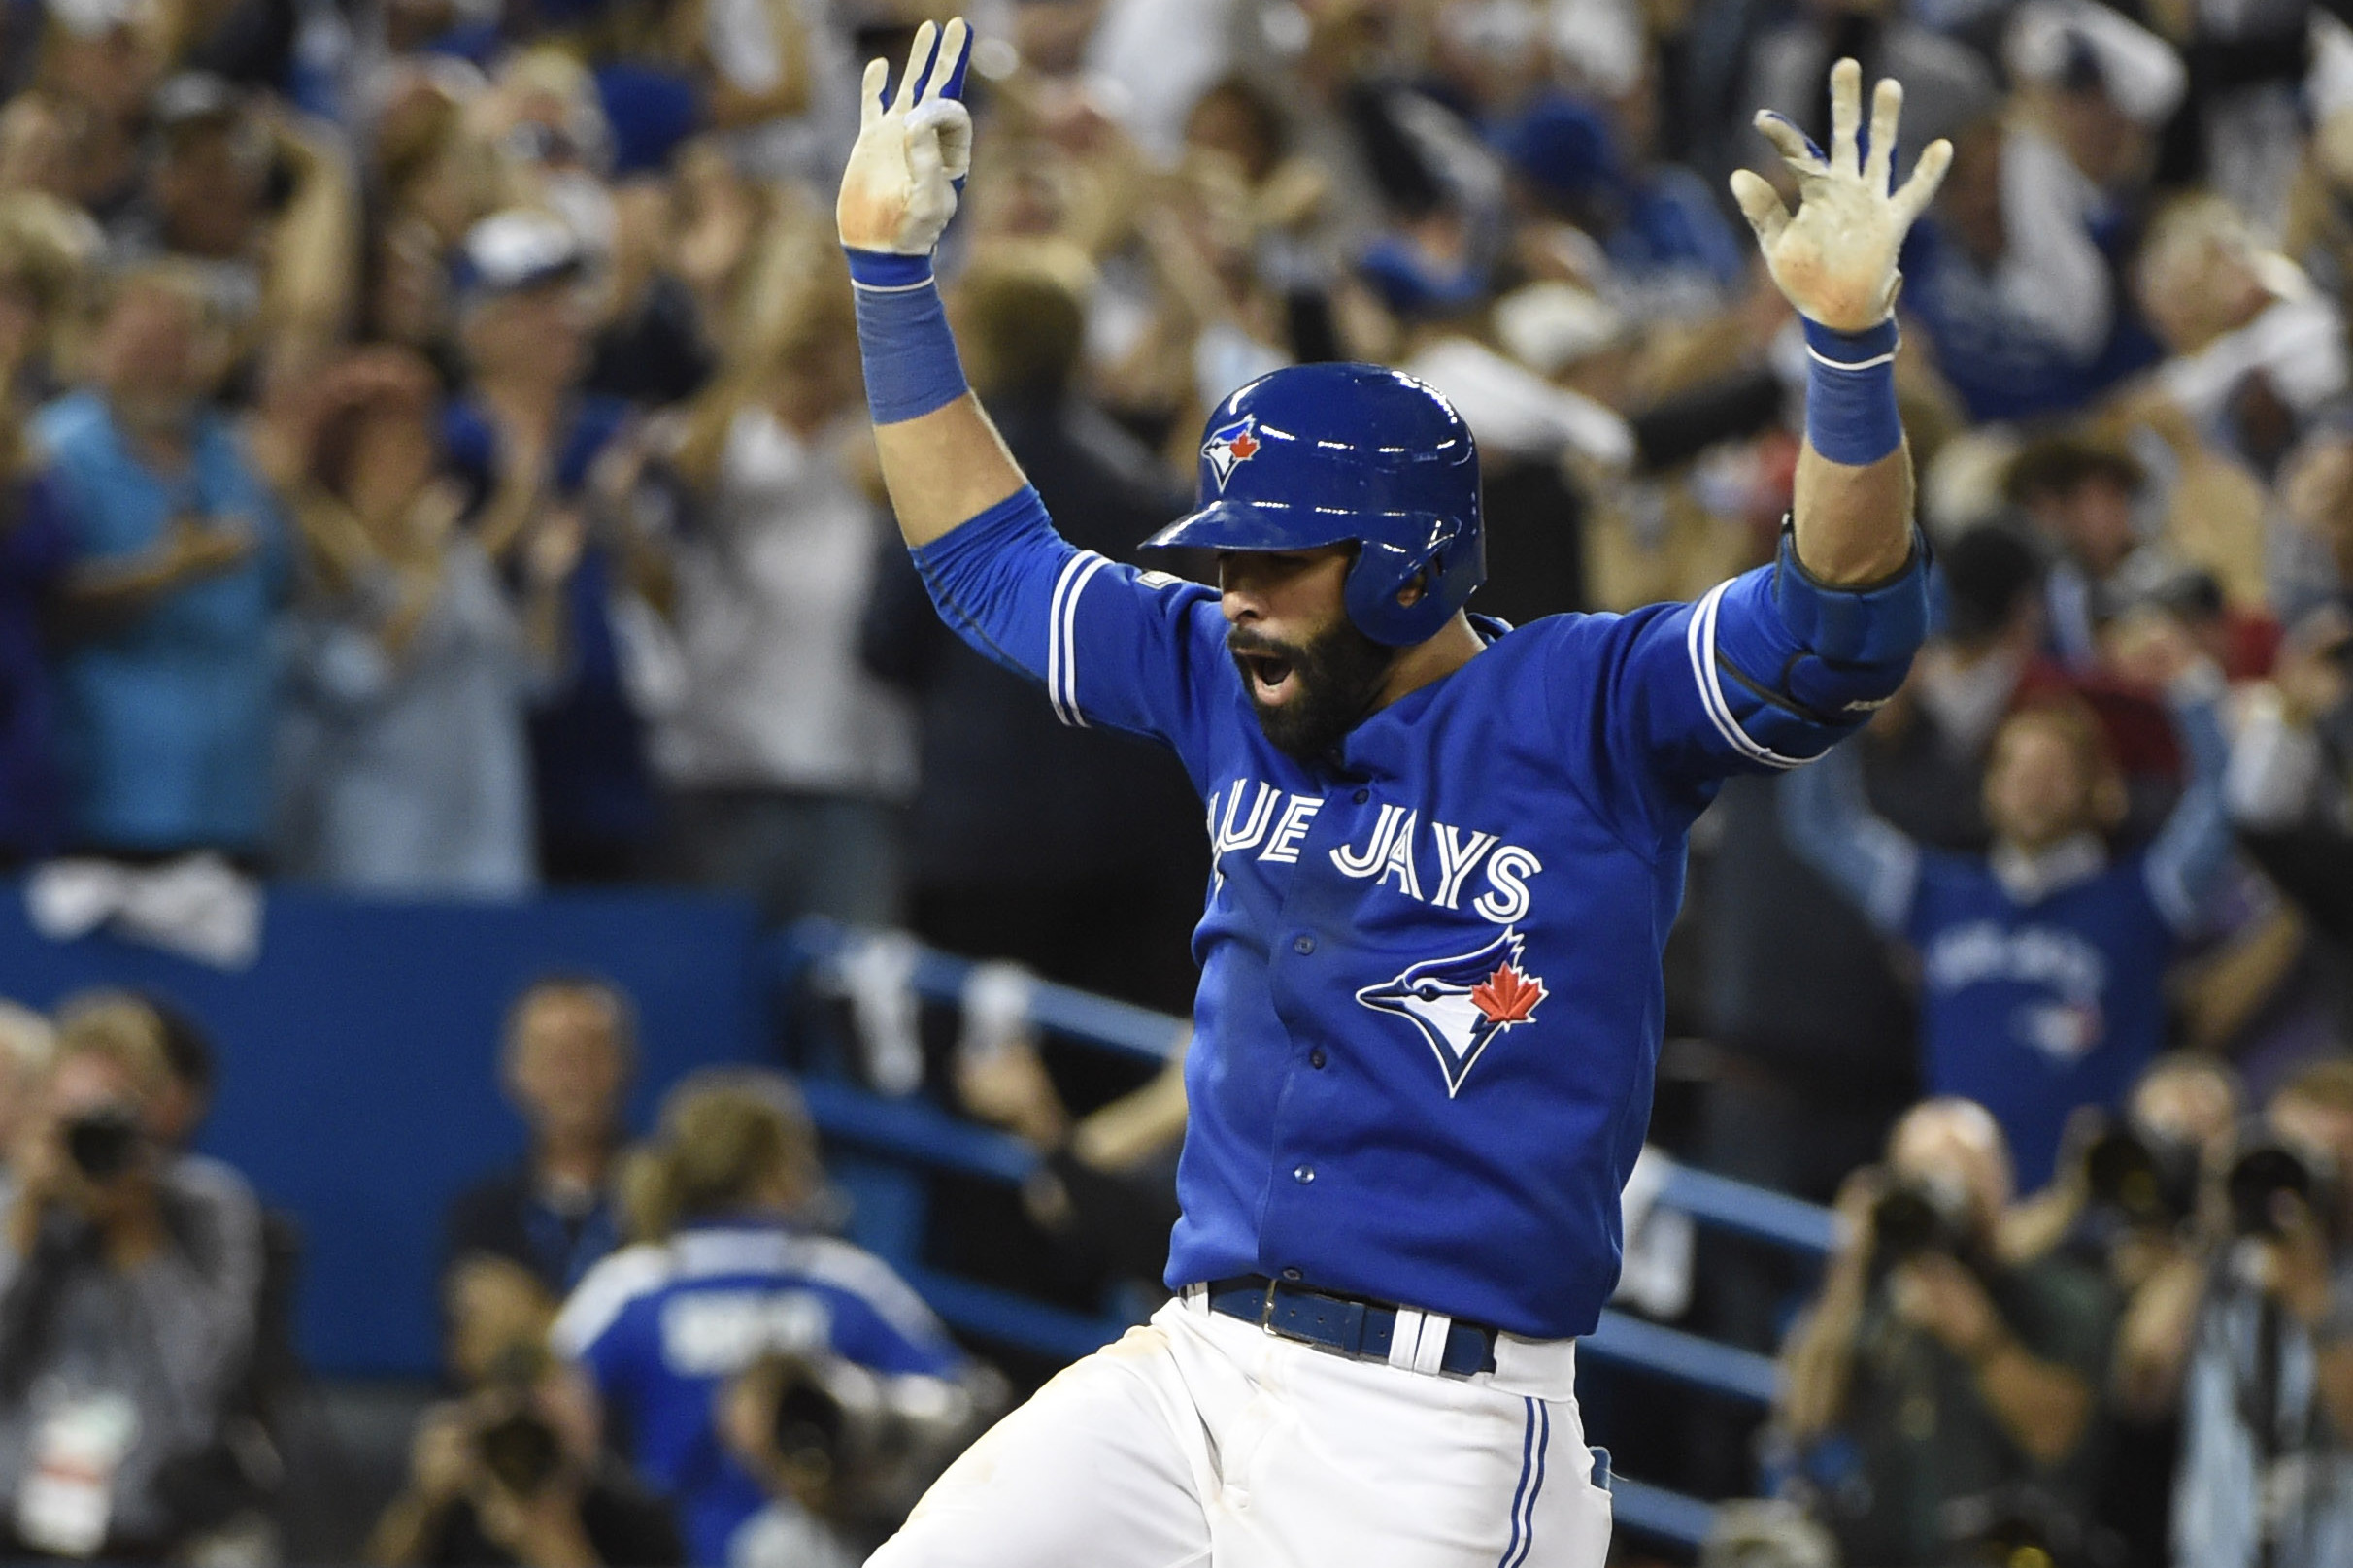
<point>513,1475</point>
<point>2290,783</point>
<point>2128,1203</point>
<point>2263,1334</point>
<point>725,1271</point>
<point>126,1307</point>
<point>1935,1392</point>
<point>841,1452</point>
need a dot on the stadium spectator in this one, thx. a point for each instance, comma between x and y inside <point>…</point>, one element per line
<point>167,689</point>
<point>404,765</point>
<point>38,254</point>
<point>2042,961</point>
<point>2133,1199</point>
<point>2258,353</point>
<point>2013,277</point>
<point>722,1270</point>
<point>567,1059</point>
<point>2267,1464</point>
<point>545,471</point>
<point>125,1312</point>
<point>277,273</point>
<point>2079,496</point>
<point>789,763</point>
<point>513,1475</point>
<point>97,67</point>
<point>1966,1387</point>
<point>841,1452</point>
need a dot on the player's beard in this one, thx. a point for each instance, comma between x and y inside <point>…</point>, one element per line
<point>1336,676</point>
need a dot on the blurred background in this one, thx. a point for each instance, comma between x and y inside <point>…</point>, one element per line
<point>559,1016</point>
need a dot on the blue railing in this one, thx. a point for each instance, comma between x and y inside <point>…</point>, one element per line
<point>915,1130</point>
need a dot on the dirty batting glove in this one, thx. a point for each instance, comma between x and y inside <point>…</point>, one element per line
<point>1836,260</point>
<point>898,193</point>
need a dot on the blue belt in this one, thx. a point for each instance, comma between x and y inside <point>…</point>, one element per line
<point>1361,1329</point>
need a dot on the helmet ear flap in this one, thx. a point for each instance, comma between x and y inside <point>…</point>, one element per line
<point>1383,571</point>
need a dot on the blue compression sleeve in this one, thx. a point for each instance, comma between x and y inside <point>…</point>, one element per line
<point>909,353</point>
<point>1850,393</point>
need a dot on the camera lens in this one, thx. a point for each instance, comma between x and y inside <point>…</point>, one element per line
<point>2121,1173</point>
<point>2257,1179</point>
<point>103,1142</point>
<point>1906,1224</point>
<point>520,1452</point>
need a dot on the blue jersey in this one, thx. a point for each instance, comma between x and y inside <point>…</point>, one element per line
<point>660,1328</point>
<point>2034,1009</point>
<point>1430,996</point>
<point>2042,991</point>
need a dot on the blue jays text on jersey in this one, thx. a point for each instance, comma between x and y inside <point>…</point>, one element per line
<point>1430,995</point>
<point>660,1328</point>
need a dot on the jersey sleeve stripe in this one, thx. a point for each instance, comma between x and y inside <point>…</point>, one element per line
<point>599,1298</point>
<point>1053,635</point>
<point>1699,640</point>
<point>1063,673</point>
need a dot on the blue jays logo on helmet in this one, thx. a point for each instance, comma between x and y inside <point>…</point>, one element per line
<point>1355,454</point>
<point>1462,1003</point>
<point>1229,446</point>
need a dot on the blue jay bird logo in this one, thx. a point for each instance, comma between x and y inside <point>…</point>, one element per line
<point>1230,446</point>
<point>1462,1003</point>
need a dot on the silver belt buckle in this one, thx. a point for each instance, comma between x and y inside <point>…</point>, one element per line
<point>1266,1307</point>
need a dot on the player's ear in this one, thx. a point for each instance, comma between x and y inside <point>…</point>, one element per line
<point>1411,593</point>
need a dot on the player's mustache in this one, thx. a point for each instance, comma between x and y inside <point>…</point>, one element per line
<point>1242,640</point>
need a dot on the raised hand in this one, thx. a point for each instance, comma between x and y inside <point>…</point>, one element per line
<point>1836,260</point>
<point>913,151</point>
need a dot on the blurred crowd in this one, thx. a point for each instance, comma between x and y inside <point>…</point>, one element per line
<point>434,462</point>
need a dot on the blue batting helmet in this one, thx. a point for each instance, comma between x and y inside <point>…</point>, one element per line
<point>1330,455</point>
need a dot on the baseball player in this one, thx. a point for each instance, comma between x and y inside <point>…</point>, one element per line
<point>1447,854</point>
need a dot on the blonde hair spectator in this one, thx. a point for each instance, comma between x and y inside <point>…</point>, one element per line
<point>730,1139</point>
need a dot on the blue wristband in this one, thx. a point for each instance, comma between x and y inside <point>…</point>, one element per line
<point>912,368</point>
<point>1850,393</point>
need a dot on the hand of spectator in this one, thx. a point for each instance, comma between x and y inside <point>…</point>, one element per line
<point>2296,1263</point>
<point>552,549</point>
<point>1008,1087</point>
<point>1936,1294</point>
<point>202,547</point>
<point>1836,260</point>
<point>2312,672</point>
<point>2152,648</point>
<point>41,1173</point>
<point>899,190</point>
<point>441,1459</point>
<point>542,1530</point>
<point>1858,1195</point>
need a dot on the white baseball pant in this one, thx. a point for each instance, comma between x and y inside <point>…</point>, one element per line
<point>1202,1440</point>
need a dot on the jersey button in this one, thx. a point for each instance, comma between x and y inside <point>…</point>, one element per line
<point>1302,1174</point>
<point>1293,1275</point>
<point>1314,1057</point>
<point>1362,795</point>
<point>1303,944</point>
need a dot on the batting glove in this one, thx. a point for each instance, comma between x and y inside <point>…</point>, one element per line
<point>913,151</point>
<point>1835,260</point>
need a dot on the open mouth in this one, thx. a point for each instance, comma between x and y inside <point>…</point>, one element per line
<point>1270,677</point>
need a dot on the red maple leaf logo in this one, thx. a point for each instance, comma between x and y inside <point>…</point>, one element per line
<point>1244,447</point>
<point>1507,996</point>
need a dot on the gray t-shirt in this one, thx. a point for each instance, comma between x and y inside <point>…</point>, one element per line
<point>169,1339</point>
